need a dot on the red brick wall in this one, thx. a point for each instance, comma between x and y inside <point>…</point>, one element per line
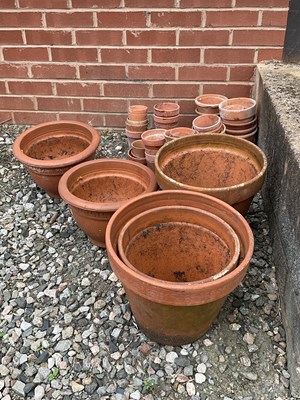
<point>91,59</point>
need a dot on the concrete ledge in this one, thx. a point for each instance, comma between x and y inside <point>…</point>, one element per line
<point>278,96</point>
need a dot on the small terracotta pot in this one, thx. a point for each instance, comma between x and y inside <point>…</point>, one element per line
<point>179,244</point>
<point>154,137</point>
<point>151,152</point>
<point>48,150</point>
<point>223,166</point>
<point>207,123</point>
<point>137,113</point>
<point>178,132</point>
<point>176,312</point>
<point>133,157</point>
<point>166,126</point>
<point>238,108</point>
<point>166,109</point>
<point>239,132</point>
<point>249,136</point>
<point>95,189</point>
<point>133,134</point>
<point>147,148</point>
<point>241,122</point>
<point>209,103</point>
<point>239,125</point>
<point>138,148</point>
<point>135,127</point>
<point>166,120</point>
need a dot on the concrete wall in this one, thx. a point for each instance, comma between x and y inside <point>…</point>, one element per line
<point>278,94</point>
<point>90,59</point>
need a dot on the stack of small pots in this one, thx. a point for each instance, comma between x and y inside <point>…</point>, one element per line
<point>136,122</point>
<point>208,103</point>
<point>136,152</point>
<point>166,115</point>
<point>239,117</point>
<point>153,140</point>
<point>208,123</point>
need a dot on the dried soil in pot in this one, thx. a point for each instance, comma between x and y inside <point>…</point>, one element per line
<point>167,311</point>
<point>223,166</point>
<point>96,189</point>
<point>179,244</point>
<point>49,150</point>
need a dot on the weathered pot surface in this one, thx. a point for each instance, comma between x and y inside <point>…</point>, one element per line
<point>238,108</point>
<point>223,166</point>
<point>154,137</point>
<point>207,123</point>
<point>138,148</point>
<point>132,157</point>
<point>211,100</point>
<point>167,311</point>
<point>179,244</point>
<point>166,109</point>
<point>95,189</point>
<point>178,132</point>
<point>48,150</point>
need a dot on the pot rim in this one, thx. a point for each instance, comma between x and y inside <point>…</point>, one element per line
<point>210,95</point>
<point>214,125</point>
<point>59,163</point>
<point>212,138</point>
<point>179,291</point>
<point>229,267</point>
<point>112,164</point>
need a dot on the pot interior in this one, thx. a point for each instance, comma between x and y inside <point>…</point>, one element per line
<point>106,189</point>
<point>210,167</point>
<point>57,147</point>
<point>178,252</point>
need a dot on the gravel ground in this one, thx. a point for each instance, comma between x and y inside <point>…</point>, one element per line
<point>66,329</point>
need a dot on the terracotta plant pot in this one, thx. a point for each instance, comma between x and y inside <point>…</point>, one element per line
<point>250,136</point>
<point>240,125</point>
<point>240,132</point>
<point>95,189</point>
<point>238,108</point>
<point>176,133</point>
<point>166,120</point>
<point>176,312</point>
<point>209,103</point>
<point>241,122</point>
<point>166,126</point>
<point>207,123</point>
<point>133,157</point>
<point>166,109</point>
<point>223,166</point>
<point>179,244</point>
<point>136,126</point>
<point>48,150</point>
<point>137,113</point>
<point>138,148</point>
<point>154,137</point>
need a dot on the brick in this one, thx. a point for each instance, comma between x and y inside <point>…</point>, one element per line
<point>205,3</point>
<point>105,105</point>
<point>48,37</point>
<point>242,73</point>
<point>274,18</point>
<point>99,37</point>
<point>58,103</point>
<point>229,90</point>
<point>116,120</point>
<point>102,72</point>
<point>262,37</point>
<point>23,19</point>
<point>177,90</point>
<point>5,116</point>
<point>54,71</point>
<point>151,72</point>
<point>258,3</point>
<point>229,56</point>
<point>205,37</point>
<point>87,118</point>
<point>170,18</point>
<point>78,89</point>
<point>11,37</point>
<point>124,55</point>
<point>151,38</point>
<point>2,88</point>
<point>69,19</point>
<point>202,73</point>
<point>132,19</point>
<point>25,54</point>
<point>126,90</point>
<point>176,55</point>
<point>16,103</point>
<point>13,71</point>
<point>187,120</point>
<point>231,18</point>
<point>145,4</point>
<point>70,54</point>
<point>8,4</point>
<point>269,54</point>
<point>96,4</point>
<point>30,87</point>
<point>46,4</point>
<point>33,118</point>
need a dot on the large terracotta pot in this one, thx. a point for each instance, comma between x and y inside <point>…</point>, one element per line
<point>48,150</point>
<point>95,189</point>
<point>177,312</point>
<point>227,167</point>
<point>179,244</point>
